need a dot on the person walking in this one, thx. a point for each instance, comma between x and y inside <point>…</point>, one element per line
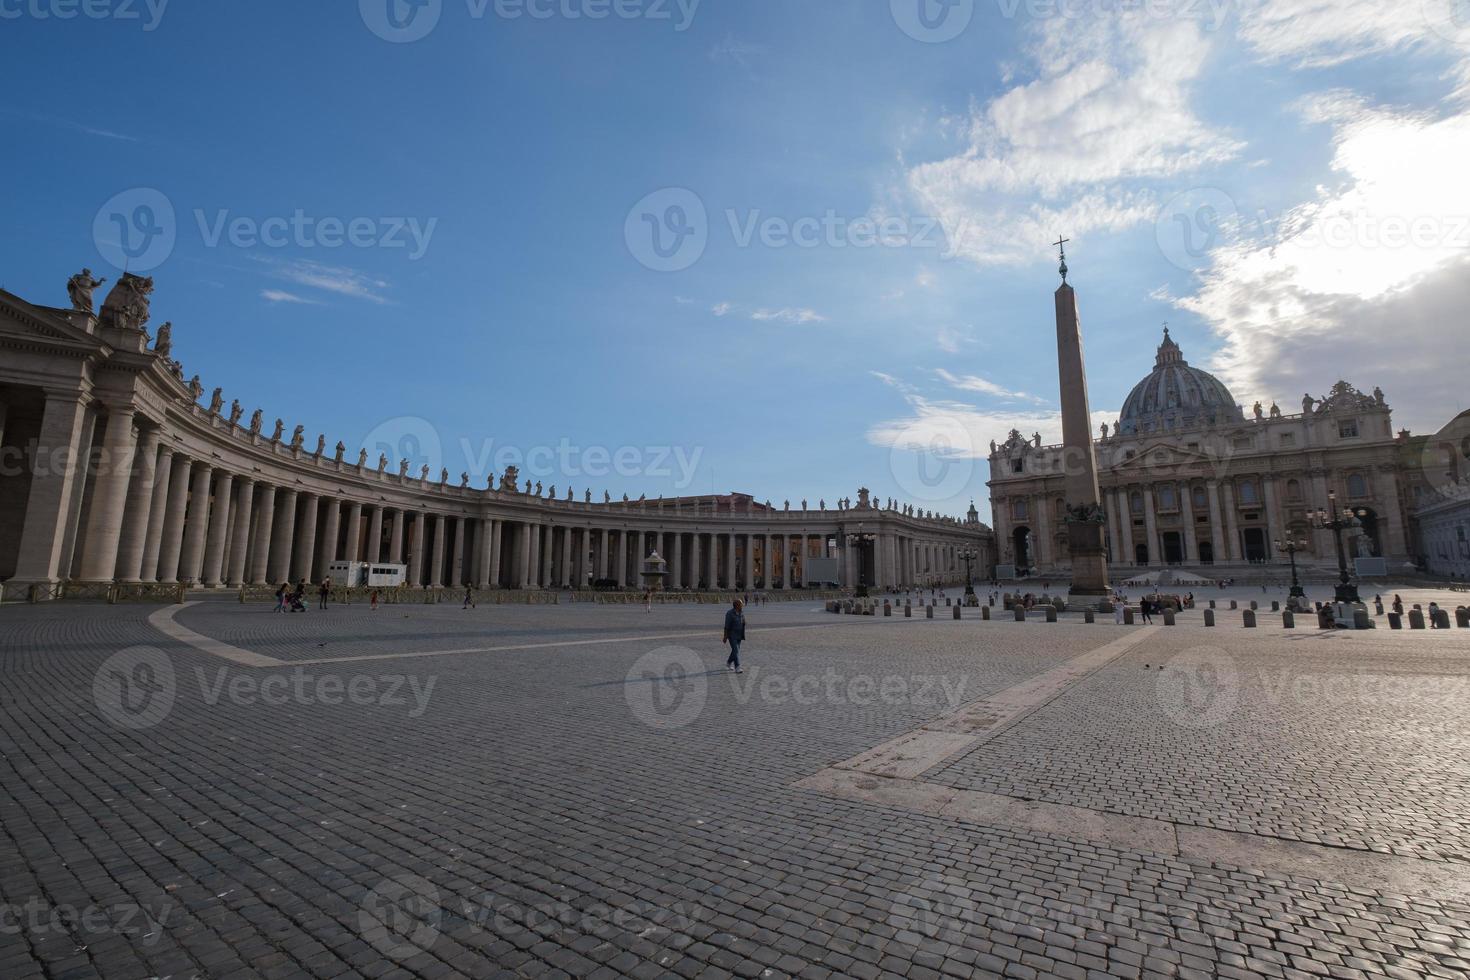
<point>735,634</point>
<point>374,601</point>
<point>281,599</point>
<point>1118,613</point>
<point>1146,607</point>
<point>324,592</point>
<point>469,596</point>
<point>1398,604</point>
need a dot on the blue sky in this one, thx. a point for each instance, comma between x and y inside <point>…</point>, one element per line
<point>498,299</point>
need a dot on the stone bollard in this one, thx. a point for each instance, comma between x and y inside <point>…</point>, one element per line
<point>1462,617</point>
<point>1051,614</point>
<point>1248,619</point>
<point>956,612</point>
<point>1127,615</point>
<point>887,608</point>
<point>1440,619</point>
<point>1234,604</point>
<point>908,611</point>
<point>1254,605</point>
<point>1325,620</point>
<point>1416,619</point>
<point>1395,621</point>
<point>1210,616</point>
<point>1361,620</point>
<point>1275,606</point>
<point>992,602</point>
<point>1020,613</point>
<point>1088,616</point>
<point>929,612</point>
<point>1168,617</point>
<point>985,613</point>
<point>1212,603</point>
<point>1288,620</point>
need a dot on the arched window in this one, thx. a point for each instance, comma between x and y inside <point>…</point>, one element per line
<point>1135,502</point>
<point>1248,492</point>
<point>1018,508</point>
<point>1200,500</point>
<point>1357,486</point>
<point>1293,490</point>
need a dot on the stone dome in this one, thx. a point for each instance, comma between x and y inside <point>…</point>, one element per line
<point>1176,396</point>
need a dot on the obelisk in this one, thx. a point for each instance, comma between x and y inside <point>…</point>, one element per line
<point>1085,521</point>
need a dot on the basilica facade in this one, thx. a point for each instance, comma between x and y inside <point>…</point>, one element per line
<point>1190,478</point>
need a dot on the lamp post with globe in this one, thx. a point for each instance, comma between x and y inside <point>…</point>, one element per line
<point>1332,519</point>
<point>968,556</point>
<point>1289,546</point>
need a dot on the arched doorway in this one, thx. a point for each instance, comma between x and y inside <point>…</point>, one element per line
<point>1256,548</point>
<point>1140,554</point>
<point>1372,530</point>
<point>1021,539</point>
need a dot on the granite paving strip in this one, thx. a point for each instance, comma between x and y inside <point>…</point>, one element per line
<point>914,753</point>
<point>163,621</point>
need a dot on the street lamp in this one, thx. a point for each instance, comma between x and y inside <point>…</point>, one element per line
<point>1290,545</point>
<point>1337,521</point>
<point>968,557</point>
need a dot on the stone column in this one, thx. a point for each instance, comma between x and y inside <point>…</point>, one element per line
<point>676,562</point>
<point>436,565</point>
<point>496,530</point>
<point>1322,543</point>
<point>416,540</point>
<point>173,523</point>
<point>157,514</point>
<point>696,559</point>
<point>54,477</point>
<point>331,528</point>
<point>565,575</point>
<point>1273,521</point>
<point>134,540</point>
<point>240,539</point>
<point>1217,529</point>
<point>1186,507</point>
<point>730,582</point>
<point>749,541</point>
<point>395,540</point>
<point>191,559</point>
<point>303,564</point>
<point>1151,527</point>
<point>1391,536</point>
<point>373,553</point>
<point>457,560</point>
<point>219,526</point>
<point>1232,530</point>
<point>547,578</point>
<point>109,498</point>
<point>283,536</point>
<point>352,533</point>
<point>264,532</point>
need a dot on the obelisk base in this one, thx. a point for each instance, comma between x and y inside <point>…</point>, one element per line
<point>1089,560</point>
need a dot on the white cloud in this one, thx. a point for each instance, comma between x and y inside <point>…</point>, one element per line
<point>281,296</point>
<point>789,315</point>
<point>1319,33</point>
<point>937,422</point>
<point>333,279</point>
<point>722,309</point>
<point>975,383</point>
<point>1366,282</point>
<point>1109,108</point>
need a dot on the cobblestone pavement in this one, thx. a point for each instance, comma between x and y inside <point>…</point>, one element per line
<point>590,794</point>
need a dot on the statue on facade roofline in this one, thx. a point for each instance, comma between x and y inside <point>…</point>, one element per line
<point>424,473</point>
<point>464,480</point>
<point>321,444</point>
<point>361,458</point>
<point>508,481</point>
<point>165,342</point>
<point>1275,411</point>
<point>587,495</point>
<point>235,411</point>
<point>298,437</point>
<point>196,390</point>
<point>126,306</point>
<point>382,462</point>
<point>255,420</point>
<point>444,476</point>
<point>1378,398</point>
<point>216,401</point>
<point>79,289</point>
<point>402,468</point>
<point>280,429</point>
<point>341,450</point>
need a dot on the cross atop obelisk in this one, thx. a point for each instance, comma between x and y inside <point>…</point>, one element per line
<point>1085,521</point>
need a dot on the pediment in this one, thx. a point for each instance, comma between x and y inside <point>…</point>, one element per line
<point>1160,454</point>
<point>22,321</point>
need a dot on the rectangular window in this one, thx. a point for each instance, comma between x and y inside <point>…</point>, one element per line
<point>1288,439</point>
<point>1347,429</point>
<point>1243,442</point>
